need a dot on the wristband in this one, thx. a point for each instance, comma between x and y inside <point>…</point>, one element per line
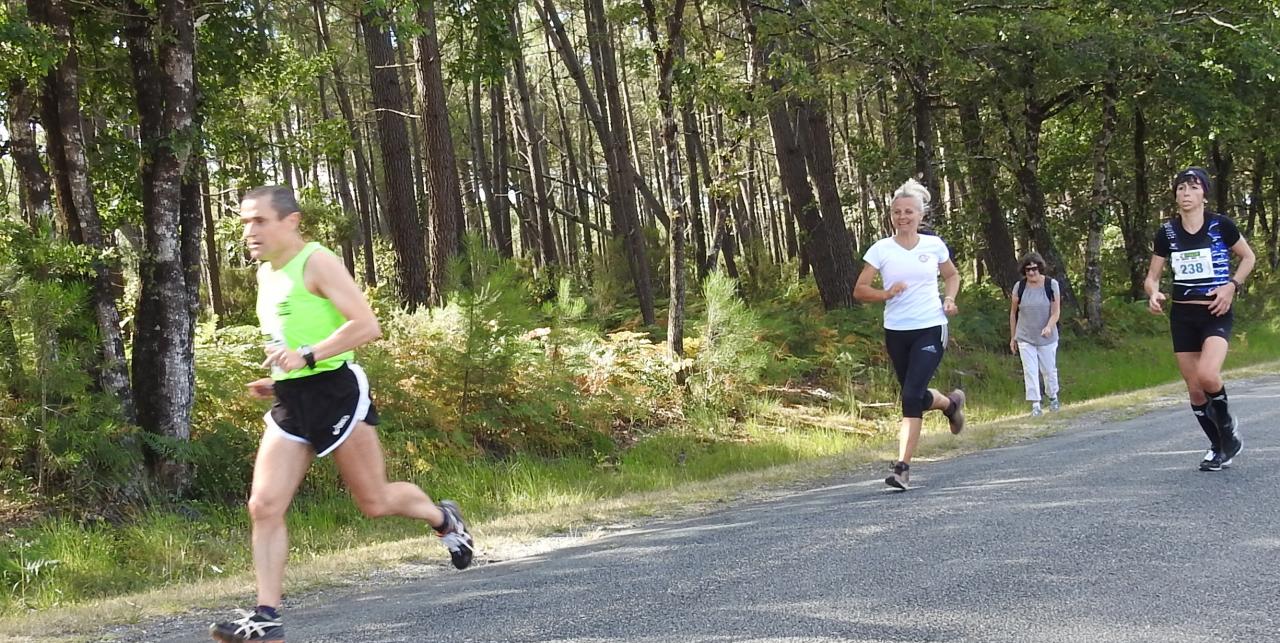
<point>1239,286</point>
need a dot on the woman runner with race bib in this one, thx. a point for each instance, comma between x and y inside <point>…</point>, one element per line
<point>1198,245</point>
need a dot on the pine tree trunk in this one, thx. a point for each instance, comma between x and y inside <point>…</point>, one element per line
<point>447,220</point>
<point>363,199</point>
<point>398,199</point>
<point>613,136</point>
<point>500,214</point>
<point>534,153</point>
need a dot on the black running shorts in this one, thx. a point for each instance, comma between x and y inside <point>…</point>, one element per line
<point>1191,324</point>
<point>322,409</point>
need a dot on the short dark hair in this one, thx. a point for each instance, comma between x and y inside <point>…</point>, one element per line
<point>1196,174</point>
<point>1033,258</point>
<point>282,199</point>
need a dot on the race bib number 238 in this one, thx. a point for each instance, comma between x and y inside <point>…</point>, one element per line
<point>1192,265</point>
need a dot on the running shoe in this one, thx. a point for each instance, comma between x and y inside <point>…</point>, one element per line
<point>251,626</point>
<point>899,476</point>
<point>1054,405</point>
<point>1036,411</point>
<point>454,535</point>
<point>1233,448</point>
<point>956,417</point>
<point>1211,461</point>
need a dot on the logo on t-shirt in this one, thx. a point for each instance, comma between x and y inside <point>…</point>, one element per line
<point>924,257</point>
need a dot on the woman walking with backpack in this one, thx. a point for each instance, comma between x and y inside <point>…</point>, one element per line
<point>1034,309</point>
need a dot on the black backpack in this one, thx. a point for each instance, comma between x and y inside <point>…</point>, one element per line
<point>1021,287</point>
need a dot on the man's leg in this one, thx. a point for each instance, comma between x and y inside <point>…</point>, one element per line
<point>277,472</point>
<point>361,464</point>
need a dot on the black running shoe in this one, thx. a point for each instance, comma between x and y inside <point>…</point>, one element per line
<point>1233,448</point>
<point>1211,461</point>
<point>252,626</point>
<point>454,535</point>
<point>899,476</point>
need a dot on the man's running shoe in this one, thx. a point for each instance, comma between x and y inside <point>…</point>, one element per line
<point>899,476</point>
<point>955,417</point>
<point>1054,404</point>
<point>1036,411</point>
<point>1211,461</point>
<point>454,535</point>
<point>251,626</point>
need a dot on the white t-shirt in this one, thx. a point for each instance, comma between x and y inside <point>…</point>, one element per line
<point>920,305</point>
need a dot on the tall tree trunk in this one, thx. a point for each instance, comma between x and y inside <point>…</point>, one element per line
<point>33,183</point>
<point>447,220</point>
<point>399,206</point>
<point>695,198</point>
<point>1223,166</point>
<point>500,214</point>
<point>613,136</point>
<point>1098,206</point>
<point>76,199</point>
<point>364,206</point>
<point>213,259</point>
<point>162,52</point>
<point>997,243</point>
<point>824,238</point>
<point>1135,220</point>
<point>1257,206</point>
<point>534,150</point>
<point>666,55</point>
<point>480,156</point>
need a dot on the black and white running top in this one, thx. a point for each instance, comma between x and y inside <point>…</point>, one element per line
<point>1201,261</point>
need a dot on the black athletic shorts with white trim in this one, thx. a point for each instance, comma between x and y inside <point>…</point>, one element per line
<point>322,409</point>
<point>1191,324</point>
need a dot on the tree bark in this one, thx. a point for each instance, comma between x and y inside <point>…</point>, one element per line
<point>665,55</point>
<point>500,213</point>
<point>447,220</point>
<point>996,243</point>
<point>34,183</point>
<point>1098,206</point>
<point>398,200</point>
<point>363,199</point>
<point>76,199</point>
<point>1135,220</point>
<point>613,136</point>
<point>162,53</point>
<point>535,152</point>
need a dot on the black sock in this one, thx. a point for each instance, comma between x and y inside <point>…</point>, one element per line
<point>269,612</point>
<point>1206,424</point>
<point>1218,401</point>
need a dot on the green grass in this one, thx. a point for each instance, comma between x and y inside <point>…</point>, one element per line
<point>60,562</point>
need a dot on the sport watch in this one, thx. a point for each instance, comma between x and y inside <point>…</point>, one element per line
<point>308,354</point>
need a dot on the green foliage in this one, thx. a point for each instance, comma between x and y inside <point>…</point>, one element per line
<point>64,437</point>
<point>728,358</point>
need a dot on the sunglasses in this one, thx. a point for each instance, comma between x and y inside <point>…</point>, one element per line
<point>1032,268</point>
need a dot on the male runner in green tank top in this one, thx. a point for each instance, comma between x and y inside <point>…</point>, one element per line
<point>313,316</point>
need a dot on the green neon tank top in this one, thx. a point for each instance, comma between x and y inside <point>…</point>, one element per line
<point>290,314</point>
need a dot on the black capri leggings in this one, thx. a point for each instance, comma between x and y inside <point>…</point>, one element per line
<point>916,355</point>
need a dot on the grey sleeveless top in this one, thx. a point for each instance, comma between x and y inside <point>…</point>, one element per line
<point>1034,309</point>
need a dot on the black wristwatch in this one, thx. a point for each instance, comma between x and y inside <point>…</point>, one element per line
<point>308,354</point>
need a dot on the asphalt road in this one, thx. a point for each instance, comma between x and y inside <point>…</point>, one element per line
<point>1103,532</point>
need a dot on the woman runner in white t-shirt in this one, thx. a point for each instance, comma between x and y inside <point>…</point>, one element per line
<point>915,319</point>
